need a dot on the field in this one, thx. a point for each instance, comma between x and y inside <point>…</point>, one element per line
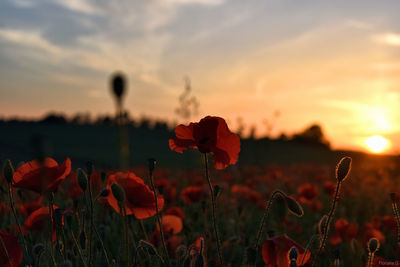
<point>95,223</point>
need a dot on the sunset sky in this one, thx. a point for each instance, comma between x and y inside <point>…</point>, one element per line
<point>336,63</point>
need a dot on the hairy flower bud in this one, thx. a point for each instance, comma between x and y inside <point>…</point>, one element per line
<point>82,179</point>
<point>343,168</point>
<point>118,85</point>
<point>293,253</point>
<point>294,207</point>
<point>373,245</point>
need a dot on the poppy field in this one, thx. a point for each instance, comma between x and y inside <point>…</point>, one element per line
<point>222,214</point>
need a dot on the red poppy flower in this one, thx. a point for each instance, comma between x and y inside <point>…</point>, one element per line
<point>210,135</point>
<point>275,251</point>
<point>13,248</point>
<point>308,191</point>
<point>192,194</point>
<point>139,199</point>
<point>41,177</point>
<point>175,211</point>
<point>245,192</point>
<point>38,220</point>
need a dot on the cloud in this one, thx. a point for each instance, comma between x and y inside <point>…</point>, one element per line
<point>390,38</point>
<point>82,6</point>
<point>28,39</point>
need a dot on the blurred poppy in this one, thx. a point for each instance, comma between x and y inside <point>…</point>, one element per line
<point>171,224</point>
<point>308,191</point>
<point>41,177</point>
<point>175,211</point>
<point>275,251</point>
<point>370,231</point>
<point>14,250</point>
<point>210,135</point>
<point>39,220</point>
<point>329,188</point>
<point>245,192</point>
<point>192,194</point>
<point>139,199</point>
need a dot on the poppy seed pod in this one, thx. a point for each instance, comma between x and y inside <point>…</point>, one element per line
<point>373,245</point>
<point>294,207</point>
<point>343,168</point>
<point>118,85</point>
<point>37,249</point>
<point>82,180</point>
<point>8,171</point>
<point>105,192</point>
<point>118,192</point>
<point>293,253</point>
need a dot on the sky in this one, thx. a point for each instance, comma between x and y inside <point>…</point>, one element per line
<point>335,63</point>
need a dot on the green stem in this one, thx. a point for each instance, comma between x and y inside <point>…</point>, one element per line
<point>10,195</point>
<point>213,209</point>
<point>159,219</point>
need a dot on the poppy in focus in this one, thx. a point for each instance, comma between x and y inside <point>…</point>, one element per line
<point>210,135</point>
<point>139,199</point>
<point>41,177</point>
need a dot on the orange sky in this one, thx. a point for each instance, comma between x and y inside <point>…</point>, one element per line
<point>336,64</point>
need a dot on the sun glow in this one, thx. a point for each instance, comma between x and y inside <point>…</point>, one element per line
<point>376,144</point>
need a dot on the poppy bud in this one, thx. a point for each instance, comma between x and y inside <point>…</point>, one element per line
<point>181,251</point>
<point>37,249</point>
<point>293,253</point>
<point>373,245</point>
<point>118,192</point>
<point>294,207</point>
<point>58,215</point>
<point>82,239</point>
<point>118,85</point>
<point>149,247</point>
<point>322,225</point>
<point>89,168</point>
<point>152,164</point>
<point>343,169</point>
<point>105,192</point>
<point>8,171</point>
<point>82,179</point>
<point>393,197</point>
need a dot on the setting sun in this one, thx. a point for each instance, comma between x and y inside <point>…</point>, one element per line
<point>376,143</point>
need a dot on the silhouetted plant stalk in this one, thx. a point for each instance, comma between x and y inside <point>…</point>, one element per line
<point>373,246</point>
<point>118,89</point>
<point>396,214</point>
<point>264,217</point>
<point>342,171</point>
<point>152,164</point>
<point>307,248</point>
<point>89,166</point>
<point>52,225</point>
<point>119,195</point>
<point>79,249</point>
<point>213,209</point>
<point>8,173</point>
<point>5,251</point>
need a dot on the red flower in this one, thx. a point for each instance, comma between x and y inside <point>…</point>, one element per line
<point>38,220</point>
<point>41,177</point>
<point>175,211</point>
<point>329,188</point>
<point>171,224</point>
<point>192,194</point>
<point>13,248</point>
<point>210,135</point>
<point>242,191</point>
<point>139,199</point>
<point>275,251</point>
<point>308,191</point>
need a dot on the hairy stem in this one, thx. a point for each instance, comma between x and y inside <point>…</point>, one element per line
<point>159,219</point>
<point>214,207</point>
